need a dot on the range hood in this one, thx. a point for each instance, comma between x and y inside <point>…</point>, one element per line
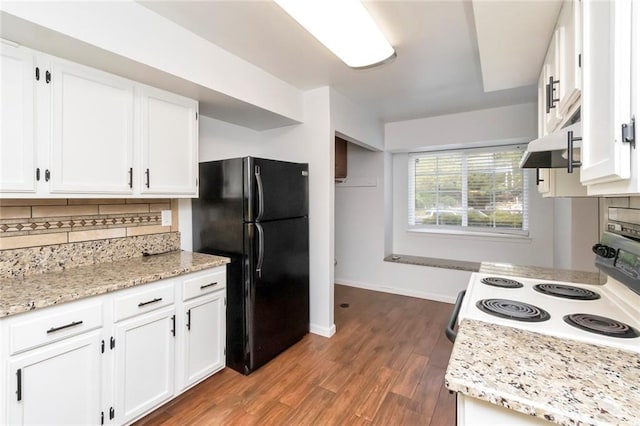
<point>551,151</point>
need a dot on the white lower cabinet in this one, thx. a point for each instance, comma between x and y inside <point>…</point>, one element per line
<point>113,358</point>
<point>58,384</point>
<point>204,341</point>
<point>144,363</point>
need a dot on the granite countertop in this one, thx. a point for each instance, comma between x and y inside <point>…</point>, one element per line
<point>38,291</point>
<point>507,269</point>
<point>563,381</point>
<point>537,272</point>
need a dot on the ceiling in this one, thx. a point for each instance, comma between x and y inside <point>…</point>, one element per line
<point>437,70</point>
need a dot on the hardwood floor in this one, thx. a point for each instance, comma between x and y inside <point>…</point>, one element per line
<point>384,366</point>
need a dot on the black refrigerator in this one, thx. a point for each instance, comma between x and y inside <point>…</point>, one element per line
<point>255,211</point>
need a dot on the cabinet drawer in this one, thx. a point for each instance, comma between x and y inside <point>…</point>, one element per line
<point>204,283</point>
<point>51,325</point>
<point>145,299</point>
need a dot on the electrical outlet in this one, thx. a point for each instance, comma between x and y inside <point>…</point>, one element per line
<point>166,217</point>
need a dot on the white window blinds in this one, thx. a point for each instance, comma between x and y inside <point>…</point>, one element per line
<point>476,189</point>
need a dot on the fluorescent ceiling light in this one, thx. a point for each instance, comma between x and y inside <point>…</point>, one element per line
<point>344,27</point>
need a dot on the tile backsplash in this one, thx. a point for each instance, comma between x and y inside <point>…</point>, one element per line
<point>20,262</point>
<point>606,205</point>
<point>43,222</point>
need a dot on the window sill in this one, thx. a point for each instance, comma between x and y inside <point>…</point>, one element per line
<point>523,238</point>
<point>434,262</point>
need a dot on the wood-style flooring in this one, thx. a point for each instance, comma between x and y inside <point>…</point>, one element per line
<point>384,366</point>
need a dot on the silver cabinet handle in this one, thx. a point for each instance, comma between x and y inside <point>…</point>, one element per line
<point>157,299</point>
<point>62,327</point>
<point>202,287</point>
<point>570,162</point>
<point>260,249</point>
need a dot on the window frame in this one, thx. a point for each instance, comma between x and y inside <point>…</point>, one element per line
<point>464,228</point>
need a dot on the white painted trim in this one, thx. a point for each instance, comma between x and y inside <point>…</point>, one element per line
<point>184,224</point>
<point>322,331</point>
<point>398,291</point>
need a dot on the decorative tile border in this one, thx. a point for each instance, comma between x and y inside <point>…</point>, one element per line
<point>12,227</point>
<point>33,223</point>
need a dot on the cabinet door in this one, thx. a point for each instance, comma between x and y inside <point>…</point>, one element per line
<point>17,146</point>
<point>569,24</point>
<point>169,144</point>
<point>144,363</point>
<point>563,184</point>
<point>551,76</point>
<point>543,176</point>
<point>340,159</point>
<point>92,128</point>
<point>607,87</point>
<point>58,384</point>
<point>205,325</point>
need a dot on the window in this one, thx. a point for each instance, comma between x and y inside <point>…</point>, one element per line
<point>480,189</point>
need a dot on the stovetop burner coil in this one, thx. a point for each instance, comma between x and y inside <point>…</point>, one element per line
<point>501,282</point>
<point>566,291</point>
<point>512,309</point>
<point>601,325</point>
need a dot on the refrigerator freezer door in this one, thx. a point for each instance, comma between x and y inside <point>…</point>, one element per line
<point>275,189</point>
<point>278,283</point>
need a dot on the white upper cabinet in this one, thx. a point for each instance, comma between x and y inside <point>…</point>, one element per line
<point>17,146</point>
<point>550,81</point>
<point>569,57</point>
<point>71,131</point>
<point>169,143</point>
<point>92,124</point>
<point>558,182</point>
<point>560,77</point>
<point>606,110</point>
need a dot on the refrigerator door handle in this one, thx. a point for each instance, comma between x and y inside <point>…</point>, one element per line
<point>260,193</point>
<point>260,250</point>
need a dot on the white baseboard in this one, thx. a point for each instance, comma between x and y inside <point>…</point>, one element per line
<point>399,291</point>
<point>322,331</point>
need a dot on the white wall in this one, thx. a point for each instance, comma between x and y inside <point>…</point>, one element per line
<point>360,218</point>
<point>356,123</point>
<point>510,122</point>
<point>362,241</point>
<point>576,230</point>
<point>220,140</point>
<point>361,212</point>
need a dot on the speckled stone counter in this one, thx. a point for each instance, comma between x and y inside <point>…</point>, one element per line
<point>542,273</point>
<point>433,262</point>
<point>564,381</point>
<point>507,269</point>
<point>38,291</point>
<point>17,263</point>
